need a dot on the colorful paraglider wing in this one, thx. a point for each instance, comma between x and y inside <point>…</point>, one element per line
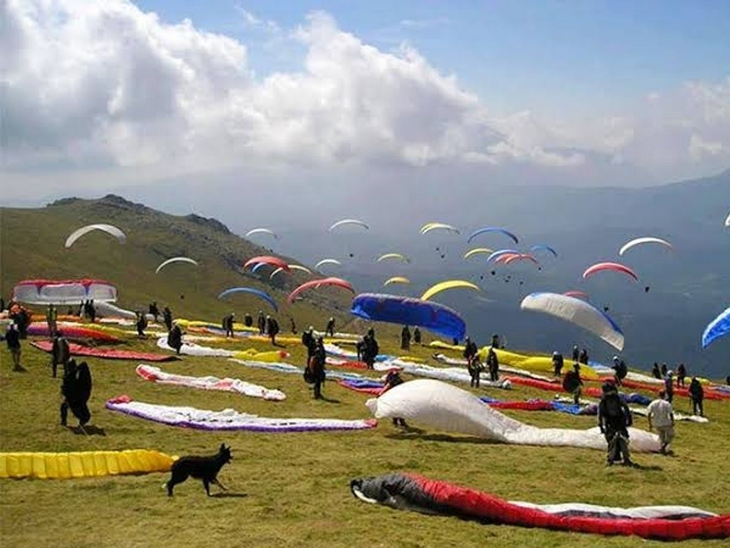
<point>498,229</point>
<point>615,267</point>
<point>313,284</point>
<point>644,240</point>
<point>257,267</point>
<point>327,261</point>
<point>175,260</point>
<point>716,328</point>
<point>477,251</point>
<point>519,257</point>
<point>577,294</point>
<point>251,291</point>
<point>500,252</point>
<point>398,256</point>
<point>404,311</point>
<point>266,259</point>
<point>345,222</point>
<point>544,247</point>
<point>428,227</point>
<point>300,268</point>
<point>109,229</point>
<point>63,291</point>
<point>577,312</point>
<point>448,284</point>
<point>397,280</point>
<point>262,231</point>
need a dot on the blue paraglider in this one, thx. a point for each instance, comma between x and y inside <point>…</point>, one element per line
<point>493,229</point>
<point>407,311</point>
<point>716,328</point>
<point>544,247</point>
<point>252,291</point>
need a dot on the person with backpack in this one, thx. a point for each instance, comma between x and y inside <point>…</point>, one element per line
<point>558,364</point>
<point>619,370</point>
<point>669,385</point>
<point>329,331</point>
<point>475,368</point>
<point>272,327</point>
<point>470,349</point>
<point>174,338</point>
<point>247,320</point>
<point>393,379</point>
<point>697,395</point>
<point>60,352</point>
<point>573,384</point>
<point>309,342</point>
<point>416,336</point>
<point>228,324</point>
<point>370,349</point>
<point>614,418</point>
<point>493,365</point>
<point>167,318</point>
<point>661,416</point>
<point>315,370</point>
<point>12,340</point>
<point>681,375</point>
<point>141,324</point>
<point>405,338</point>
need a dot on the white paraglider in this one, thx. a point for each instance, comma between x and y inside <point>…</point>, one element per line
<point>163,264</point>
<point>109,229</point>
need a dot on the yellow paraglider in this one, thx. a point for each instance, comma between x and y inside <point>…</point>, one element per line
<point>428,227</point>
<point>399,256</point>
<point>449,284</point>
<point>478,251</point>
<point>397,280</point>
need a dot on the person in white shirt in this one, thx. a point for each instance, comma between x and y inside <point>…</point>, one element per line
<point>661,417</point>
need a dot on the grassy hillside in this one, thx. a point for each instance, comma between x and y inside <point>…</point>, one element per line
<point>32,246</point>
<point>292,489</point>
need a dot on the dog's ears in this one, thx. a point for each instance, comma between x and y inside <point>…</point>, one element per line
<point>224,448</point>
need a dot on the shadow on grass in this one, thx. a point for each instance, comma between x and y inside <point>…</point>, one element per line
<point>416,433</point>
<point>329,400</point>
<point>89,430</point>
<point>227,495</point>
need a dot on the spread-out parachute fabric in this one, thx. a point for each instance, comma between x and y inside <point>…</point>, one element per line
<point>428,227</point>
<point>191,349</point>
<point>276,262</point>
<point>250,291</point>
<point>533,362</point>
<point>175,260</point>
<point>503,368</point>
<point>327,261</point>
<point>40,329</point>
<point>314,284</point>
<point>644,240</point>
<point>280,367</point>
<point>396,256</point>
<point>448,284</point>
<point>109,229</point>
<point>105,353</point>
<point>615,267</point>
<point>404,311</point>
<point>478,251</point>
<point>500,252</point>
<point>544,247</point>
<point>577,294</point>
<point>417,493</point>
<point>155,374</point>
<point>717,328</point>
<point>64,291</point>
<point>87,464</point>
<point>396,280</point>
<point>577,312</point>
<point>255,231</point>
<point>488,229</point>
<point>345,222</point>
<point>453,374</point>
<point>228,419</point>
<point>445,407</point>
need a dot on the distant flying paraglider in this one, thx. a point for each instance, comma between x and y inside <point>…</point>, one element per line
<point>577,294</point>
<point>266,259</point>
<point>345,222</point>
<point>315,284</point>
<point>396,280</point>
<point>727,221</point>
<point>521,257</point>
<point>497,254</point>
<point>251,291</point>
<point>327,261</point>
<point>163,264</point>
<point>449,284</point>
<point>300,268</point>
<point>544,247</point>
<point>477,251</point>
<point>109,229</point>
<point>717,328</point>
<point>644,240</point>
<point>616,267</point>
<point>578,312</point>
<point>397,256</point>
<point>428,227</point>
<point>262,231</point>
<point>488,229</point>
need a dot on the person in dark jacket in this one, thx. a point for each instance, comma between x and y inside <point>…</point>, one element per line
<point>174,338</point>
<point>573,384</point>
<point>91,311</point>
<point>167,317</point>
<point>272,328</point>
<point>12,340</point>
<point>619,370</point>
<point>141,324</point>
<point>495,341</point>
<point>292,325</point>
<point>558,364</point>
<point>370,349</point>
<point>417,336</point>
<point>664,370</point>
<point>261,322</point>
<point>393,379</point>
<point>669,385</point>
<point>60,352</point>
<point>614,418</point>
<point>696,394</point>
<point>309,342</point>
<point>493,365</point>
<point>329,331</point>
<point>474,367</point>
<point>583,357</point>
<point>76,390</point>
<point>576,353</point>
<point>405,338</point>
<point>154,310</point>
<point>681,375</point>
<point>470,349</point>
<point>316,367</point>
<point>247,320</point>
<point>228,324</point>
<point>655,371</point>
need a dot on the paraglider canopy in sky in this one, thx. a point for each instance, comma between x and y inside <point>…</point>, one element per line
<point>644,240</point>
<point>477,251</point>
<point>251,291</point>
<point>255,231</point>
<point>163,264</point>
<point>397,256</point>
<point>349,222</point>
<point>109,229</point>
<point>615,267</point>
<point>397,280</point>
<point>497,229</point>
<point>266,259</point>
<point>717,328</point>
<point>314,284</point>
<point>428,227</point>
<point>501,252</point>
<point>544,247</point>
<point>64,291</point>
<point>448,284</point>
<point>327,261</point>
<point>405,311</point>
<point>577,312</point>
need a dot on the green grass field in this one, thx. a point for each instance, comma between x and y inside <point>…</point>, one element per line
<point>292,489</point>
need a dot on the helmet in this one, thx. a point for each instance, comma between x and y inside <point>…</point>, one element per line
<point>555,353</point>
<point>615,358</point>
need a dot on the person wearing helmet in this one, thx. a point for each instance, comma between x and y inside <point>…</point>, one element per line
<point>309,342</point>
<point>330,329</point>
<point>669,385</point>
<point>558,363</point>
<point>573,384</point>
<point>614,418</point>
<point>272,328</point>
<point>261,322</point>
<point>619,370</point>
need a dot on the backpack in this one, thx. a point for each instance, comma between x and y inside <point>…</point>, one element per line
<point>612,407</point>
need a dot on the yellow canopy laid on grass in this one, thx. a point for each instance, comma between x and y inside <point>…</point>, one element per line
<point>535,363</point>
<point>87,464</point>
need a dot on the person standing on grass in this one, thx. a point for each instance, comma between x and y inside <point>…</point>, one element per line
<point>696,394</point>
<point>12,339</point>
<point>309,342</point>
<point>661,416</point>
<point>370,349</point>
<point>174,338</point>
<point>573,384</point>
<point>393,379</point>
<point>669,386</point>
<point>60,352</point>
<point>154,310</point>
<point>228,324</point>
<point>493,365</point>
<point>576,353</point>
<point>405,338</point>
<point>316,367</point>
<point>655,371</point>
<point>261,322</point>
<point>558,363</point>
<point>681,375</point>
<point>52,319</point>
<point>475,368</point>
<point>141,324</point>
<point>417,336</point>
<point>167,317</point>
<point>329,331</point>
<point>272,326</point>
<point>583,356</point>
<point>614,418</point>
<point>247,320</point>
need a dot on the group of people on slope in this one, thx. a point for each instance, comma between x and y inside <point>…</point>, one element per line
<point>406,337</point>
<point>474,365</point>
<point>695,390</point>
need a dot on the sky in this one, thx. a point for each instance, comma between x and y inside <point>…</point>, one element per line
<point>276,99</point>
